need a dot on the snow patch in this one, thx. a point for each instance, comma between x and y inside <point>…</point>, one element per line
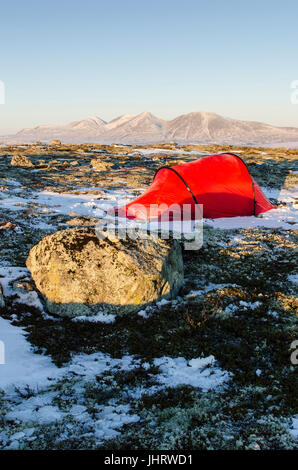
<point>199,372</point>
<point>100,317</point>
<point>22,367</point>
<point>284,217</point>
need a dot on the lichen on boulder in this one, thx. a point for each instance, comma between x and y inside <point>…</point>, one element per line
<point>79,273</point>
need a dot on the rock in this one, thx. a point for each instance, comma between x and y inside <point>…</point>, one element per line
<point>21,160</point>
<point>56,142</point>
<point>7,226</point>
<point>22,286</point>
<point>171,162</point>
<point>97,164</point>
<point>79,273</point>
<point>2,301</point>
<point>83,221</point>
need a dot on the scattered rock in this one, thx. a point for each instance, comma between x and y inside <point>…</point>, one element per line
<point>79,273</point>
<point>97,164</point>
<point>171,162</point>
<point>22,286</point>
<point>7,225</point>
<point>157,158</point>
<point>21,160</point>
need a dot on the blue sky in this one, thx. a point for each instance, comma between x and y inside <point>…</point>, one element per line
<point>66,60</point>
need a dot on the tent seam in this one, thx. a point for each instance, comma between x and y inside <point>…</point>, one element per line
<point>218,154</point>
<point>182,179</point>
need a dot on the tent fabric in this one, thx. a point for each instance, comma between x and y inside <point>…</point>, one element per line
<point>221,183</point>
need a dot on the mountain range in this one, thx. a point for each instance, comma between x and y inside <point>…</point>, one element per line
<point>195,127</point>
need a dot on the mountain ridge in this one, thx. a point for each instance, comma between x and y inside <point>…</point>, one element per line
<point>193,127</point>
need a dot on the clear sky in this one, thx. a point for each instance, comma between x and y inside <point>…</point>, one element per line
<point>66,60</point>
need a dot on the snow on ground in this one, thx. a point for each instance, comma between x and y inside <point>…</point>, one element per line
<point>33,373</point>
<point>198,372</point>
<point>21,366</point>
<point>150,151</point>
<point>13,203</point>
<point>284,217</point>
<point>288,145</point>
<point>51,202</point>
<point>293,429</point>
<point>211,286</point>
<point>24,367</point>
<point>42,408</point>
<point>293,278</point>
<point>9,279</point>
<point>101,317</point>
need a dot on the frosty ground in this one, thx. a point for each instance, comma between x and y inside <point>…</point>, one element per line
<point>208,370</point>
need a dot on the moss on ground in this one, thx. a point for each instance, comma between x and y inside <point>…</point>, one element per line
<point>238,304</point>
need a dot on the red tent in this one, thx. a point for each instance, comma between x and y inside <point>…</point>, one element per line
<point>221,183</point>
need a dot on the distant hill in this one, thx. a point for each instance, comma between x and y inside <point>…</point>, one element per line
<point>196,127</point>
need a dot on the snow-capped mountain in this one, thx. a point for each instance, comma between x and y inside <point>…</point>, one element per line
<point>196,127</point>
<point>210,127</point>
<point>141,128</point>
<point>78,131</point>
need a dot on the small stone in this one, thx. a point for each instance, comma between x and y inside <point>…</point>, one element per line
<point>7,226</point>
<point>21,160</point>
<point>98,164</point>
<point>22,286</point>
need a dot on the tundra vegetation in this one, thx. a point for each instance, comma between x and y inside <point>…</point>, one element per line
<point>238,303</point>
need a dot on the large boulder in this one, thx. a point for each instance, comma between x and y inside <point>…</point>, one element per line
<point>79,273</point>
